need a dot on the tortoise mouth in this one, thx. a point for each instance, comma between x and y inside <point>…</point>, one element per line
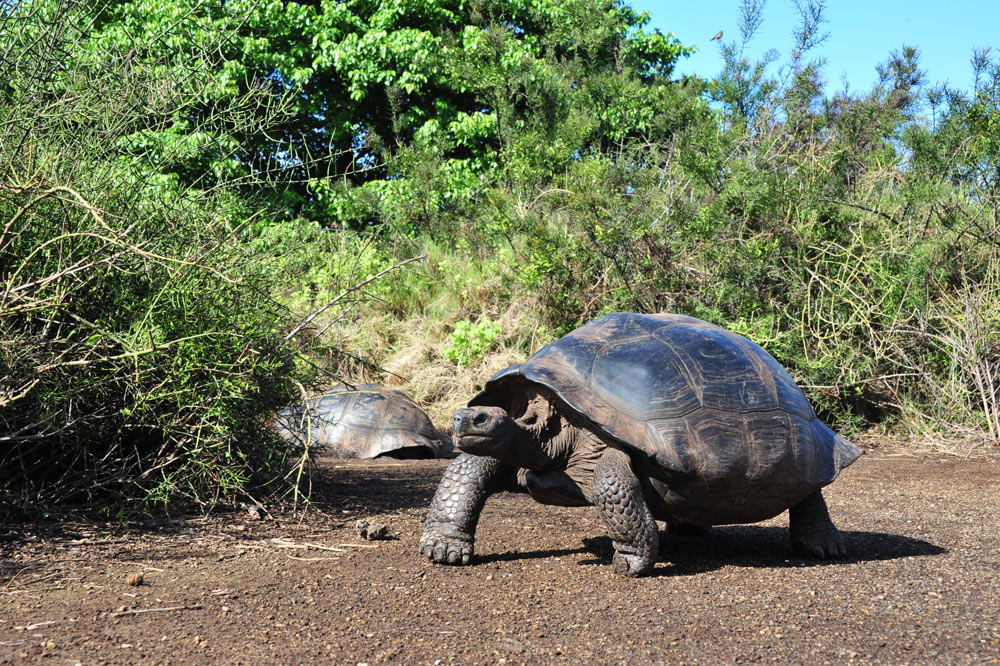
<point>476,443</point>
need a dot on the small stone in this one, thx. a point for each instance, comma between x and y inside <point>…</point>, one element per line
<point>371,531</point>
<point>134,579</point>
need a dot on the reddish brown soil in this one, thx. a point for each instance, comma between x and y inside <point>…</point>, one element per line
<point>922,584</point>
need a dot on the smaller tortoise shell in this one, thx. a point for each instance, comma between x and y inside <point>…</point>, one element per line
<point>365,421</point>
<point>724,429</point>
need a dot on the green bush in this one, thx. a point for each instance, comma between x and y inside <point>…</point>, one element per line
<point>142,356</point>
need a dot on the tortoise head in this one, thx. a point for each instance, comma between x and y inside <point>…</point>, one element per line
<point>523,441</point>
<point>483,431</point>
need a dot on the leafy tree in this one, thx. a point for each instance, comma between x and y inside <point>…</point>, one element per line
<point>377,86</point>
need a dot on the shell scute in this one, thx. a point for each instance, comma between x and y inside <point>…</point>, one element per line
<point>769,436</point>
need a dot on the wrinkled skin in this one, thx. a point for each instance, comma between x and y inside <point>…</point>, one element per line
<point>560,462</point>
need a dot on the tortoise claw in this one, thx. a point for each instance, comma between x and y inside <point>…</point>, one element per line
<point>631,565</point>
<point>446,549</point>
<point>824,545</point>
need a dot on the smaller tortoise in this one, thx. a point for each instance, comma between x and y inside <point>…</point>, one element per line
<point>647,417</point>
<point>365,421</point>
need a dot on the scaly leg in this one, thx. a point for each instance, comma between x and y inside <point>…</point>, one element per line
<point>450,529</point>
<point>618,496</point>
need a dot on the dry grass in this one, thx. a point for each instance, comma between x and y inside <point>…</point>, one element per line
<point>420,369</point>
<point>407,354</point>
<point>922,438</point>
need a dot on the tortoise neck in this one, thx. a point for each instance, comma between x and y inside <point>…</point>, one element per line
<point>531,451</point>
<point>541,439</point>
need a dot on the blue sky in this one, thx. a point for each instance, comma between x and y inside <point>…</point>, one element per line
<point>862,34</point>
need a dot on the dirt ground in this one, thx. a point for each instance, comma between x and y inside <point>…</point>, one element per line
<point>921,585</point>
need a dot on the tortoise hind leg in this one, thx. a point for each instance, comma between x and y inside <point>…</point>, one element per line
<point>812,532</point>
<point>617,494</point>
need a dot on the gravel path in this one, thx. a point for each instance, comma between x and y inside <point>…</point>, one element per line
<point>920,585</point>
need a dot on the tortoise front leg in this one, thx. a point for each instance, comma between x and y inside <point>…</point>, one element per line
<point>617,494</point>
<point>450,529</point>
<point>812,532</point>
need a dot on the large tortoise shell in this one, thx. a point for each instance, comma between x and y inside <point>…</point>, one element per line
<point>365,421</point>
<point>712,412</point>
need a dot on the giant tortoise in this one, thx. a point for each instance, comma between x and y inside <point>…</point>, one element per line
<point>365,421</point>
<point>647,417</point>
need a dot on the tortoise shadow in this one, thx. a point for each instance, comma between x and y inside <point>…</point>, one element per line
<point>760,547</point>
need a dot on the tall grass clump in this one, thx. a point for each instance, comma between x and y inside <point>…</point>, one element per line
<point>141,355</point>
